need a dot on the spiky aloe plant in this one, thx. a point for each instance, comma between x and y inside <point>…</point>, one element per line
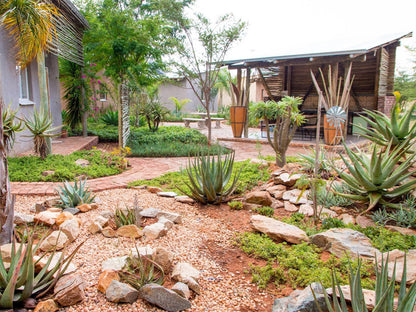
<point>379,178</point>
<point>209,177</point>
<point>384,130</point>
<point>19,281</point>
<point>10,126</point>
<point>73,196</point>
<point>125,217</point>
<point>384,301</point>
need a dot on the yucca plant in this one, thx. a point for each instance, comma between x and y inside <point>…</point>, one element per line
<point>141,270</point>
<point>384,301</point>
<point>384,130</point>
<point>40,125</point>
<point>11,125</point>
<point>19,281</point>
<point>110,118</point>
<point>74,195</point>
<point>125,217</point>
<point>379,178</point>
<point>209,177</point>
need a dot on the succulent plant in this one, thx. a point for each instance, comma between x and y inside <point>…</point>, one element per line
<point>19,280</point>
<point>124,217</point>
<point>209,177</point>
<point>73,196</point>
<point>379,178</point>
<point>10,126</point>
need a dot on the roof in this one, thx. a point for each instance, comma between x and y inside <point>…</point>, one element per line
<point>274,60</point>
<point>71,9</point>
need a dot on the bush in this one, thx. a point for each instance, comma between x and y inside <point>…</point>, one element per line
<point>235,205</point>
<point>265,211</point>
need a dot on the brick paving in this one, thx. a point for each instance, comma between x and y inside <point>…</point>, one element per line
<point>148,168</point>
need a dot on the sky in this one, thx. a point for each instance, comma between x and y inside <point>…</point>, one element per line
<point>277,27</point>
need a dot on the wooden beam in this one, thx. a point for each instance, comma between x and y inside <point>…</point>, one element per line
<point>266,87</point>
<point>289,80</point>
<point>311,87</point>
<point>239,80</point>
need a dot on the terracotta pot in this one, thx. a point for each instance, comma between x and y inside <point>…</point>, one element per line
<point>238,116</point>
<point>64,134</point>
<point>332,135</point>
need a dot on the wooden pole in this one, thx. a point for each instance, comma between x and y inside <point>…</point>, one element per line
<point>266,87</point>
<point>239,80</point>
<point>247,101</point>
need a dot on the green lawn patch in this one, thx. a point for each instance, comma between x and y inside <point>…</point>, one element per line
<point>30,168</point>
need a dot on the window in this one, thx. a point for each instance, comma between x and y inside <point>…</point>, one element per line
<point>103,93</point>
<point>24,86</point>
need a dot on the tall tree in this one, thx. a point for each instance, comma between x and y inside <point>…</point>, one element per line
<point>205,46</point>
<point>128,39</point>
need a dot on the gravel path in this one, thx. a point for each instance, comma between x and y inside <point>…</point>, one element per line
<point>221,291</point>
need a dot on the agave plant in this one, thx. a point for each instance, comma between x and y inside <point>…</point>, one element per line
<point>125,217</point>
<point>19,280</point>
<point>379,178</point>
<point>73,196</point>
<point>384,130</point>
<point>40,125</point>
<point>384,301</point>
<point>10,127</point>
<point>209,177</point>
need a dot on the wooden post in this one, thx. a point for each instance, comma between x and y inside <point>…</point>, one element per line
<point>247,100</point>
<point>239,80</point>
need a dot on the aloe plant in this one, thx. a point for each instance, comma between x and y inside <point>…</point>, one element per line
<point>40,125</point>
<point>384,130</point>
<point>10,126</point>
<point>19,281</point>
<point>379,178</point>
<point>209,177</point>
<point>384,301</point>
<point>73,196</point>
<point>124,217</point>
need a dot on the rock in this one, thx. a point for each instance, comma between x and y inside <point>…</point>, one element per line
<point>139,187</point>
<point>71,229</point>
<point>82,163</point>
<point>277,204</point>
<point>184,199</point>
<point>166,223</point>
<point>121,292</point>
<point>21,218</point>
<point>364,221</point>
<point>259,197</point>
<point>302,300</point>
<point>69,290</point>
<point>63,217</point>
<point>108,232</point>
<point>106,278</point>
<point>39,207</point>
<point>54,209</point>
<point>154,231</point>
<point>163,258</point>
<point>56,239</point>
<point>296,196</point>
<point>154,189</point>
<point>347,218</point>
<point>101,221</point>
<point>398,256</point>
<point>47,173</point>
<point>149,213</point>
<point>342,241</point>
<point>290,207</point>
<point>271,188</point>
<point>143,251</point>
<point>115,263</point>
<point>28,303</point>
<point>94,206</point>
<point>183,270</point>
<point>182,290</point>
<point>278,230</point>
<point>95,228</point>
<point>287,179</point>
<point>306,210</point>
<point>167,194</point>
<point>252,207</point>
<point>130,231</point>
<point>404,231</point>
<point>164,298</point>
<point>338,210</point>
<point>326,213</point>
<point>74,211</point>
<point>257,161</point>
<point>41,263</point>
<point>174,217</point>
<point>84,207</point>
<point>108,214</point>
<point>47,217</point>
<point>97,200</point>
<point>46,306</point>
<point>369,295</point>
<point>6,251</point>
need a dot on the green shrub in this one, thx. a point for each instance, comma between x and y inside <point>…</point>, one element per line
<point>30,168</point>
<point>235,205</point>
<point>265,211</point>
<point>110,118</point>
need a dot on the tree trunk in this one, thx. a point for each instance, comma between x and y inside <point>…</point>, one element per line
<point>43,92</point>
<point>247,101</point>
<point>84,117</point>
<point>6,200</point>
<point>123,115</point>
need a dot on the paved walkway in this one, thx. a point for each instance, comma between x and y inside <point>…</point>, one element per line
<point>145,168</point>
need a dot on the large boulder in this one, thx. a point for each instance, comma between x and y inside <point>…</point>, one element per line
<point>287,179</point>
<point>47,217</point>
<point>259,198</point>
<point>398,257</point>
<point>21,218</point>
<point>71,229</point>
<point>296,196</point>
<point>302,301</point>
<point>164,298</point>
<point>345,241</point>
<point>121,292</point>
<point>56,239</point>
<point>69,290</point>
<point>278,230</point>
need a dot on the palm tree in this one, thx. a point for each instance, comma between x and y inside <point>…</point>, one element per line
<point>223,84</point>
